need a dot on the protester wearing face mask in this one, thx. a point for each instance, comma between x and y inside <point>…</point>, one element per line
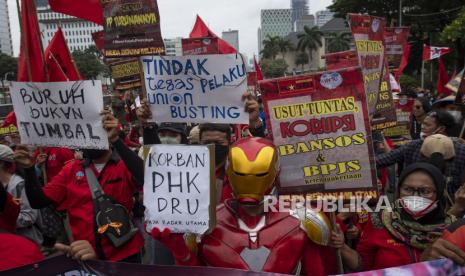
<point>120,174</point>
<point>398,237</point>
<point>421,108</point>
<point>448,105</point>
<point>172,133</point>
<point>437,122</point>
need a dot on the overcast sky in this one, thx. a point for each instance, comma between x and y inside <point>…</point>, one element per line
<point>178,17</point>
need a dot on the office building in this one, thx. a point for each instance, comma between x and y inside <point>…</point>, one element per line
<point>299,8</point>
<point>78,32</point>
<point>306,20</point>
<point>323,17</point>
<point>232,37</point>
<point>173,46</point>
<point>6,45</point>
<point>274,22</point>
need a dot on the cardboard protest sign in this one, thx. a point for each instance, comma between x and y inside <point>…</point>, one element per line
<point>179,190</point>
<point>320,126</point>
<point>200,46</point>
<point>395,39</point>
<point>132,28</point>
<point>126,73</point>
<point>339,60</point>
<point>385,116</point>
<point>196,89</point>
<point>368,34</point>
<point>60,114</point>
<point>403,111</point>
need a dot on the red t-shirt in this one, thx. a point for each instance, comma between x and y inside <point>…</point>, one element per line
<point>17,251</point>
<point>70,191</point>
<point>379,249</point>
<point>56,159</point>
<point>9,215</point>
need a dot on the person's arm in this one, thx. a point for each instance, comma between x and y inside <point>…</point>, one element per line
<point>27,215</point>
<point>34,192</point>
<point>132,161</point>
<point>350,257</point>
<point>390,158</point>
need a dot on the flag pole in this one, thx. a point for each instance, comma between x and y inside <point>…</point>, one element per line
<point>423,74</point>
<point>24,43</point>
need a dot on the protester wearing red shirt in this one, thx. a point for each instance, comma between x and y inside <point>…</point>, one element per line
<point>70,192</point>
<point>398,237</point>
<point>54,160</point>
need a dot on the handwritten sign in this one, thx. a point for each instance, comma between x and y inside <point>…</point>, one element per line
<point>61,114</point>
<point>179,188</point>
<point>196,89</point>
<point>320,127</point>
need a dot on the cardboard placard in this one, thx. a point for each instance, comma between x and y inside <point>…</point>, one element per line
<point>368,34</point>
<point>179,188</point>
<point>132,28</point>
<point>196,89</point>
<point>321,129</point>
<point>60,114</point>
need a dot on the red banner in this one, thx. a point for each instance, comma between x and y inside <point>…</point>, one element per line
<point>320,125</point>
<point>200,46</point>
<point>396,40</point>
<point>403,112</point>
<point>339,60</point>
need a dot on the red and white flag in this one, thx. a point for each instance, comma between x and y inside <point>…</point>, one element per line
<point>431,52</point>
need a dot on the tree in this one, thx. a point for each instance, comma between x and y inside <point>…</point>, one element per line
<point>284,45</point>
<point>338,42</point>
<point>310,40</point>
<point>426,18</point>
<point>273,68</point>
<point>301,59</point>
<point>89,64</point>
<point>270,47</point>
<point>454,33</point>
<point>8,67</point>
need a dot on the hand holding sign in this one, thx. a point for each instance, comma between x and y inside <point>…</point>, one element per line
<point>143,112</point>
<point>174,242</point>
<point>251,106</point>
<point>110,124</point>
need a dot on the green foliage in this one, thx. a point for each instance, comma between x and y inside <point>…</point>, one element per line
<point>271,47</point>
<point>310,40</point>
<point>284,46</point>
<point>338,42</point>
<point>89,63</point>
<point>455,31</point>
<point>273,68</point>
<point>409,81</point>
<point>8,67</point>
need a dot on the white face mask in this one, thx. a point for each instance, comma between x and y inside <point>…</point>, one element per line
<point>168,140</point>
<point>403,101</point>
<point>417,206</point>
<point>141,140</point>
<point>456,114</point>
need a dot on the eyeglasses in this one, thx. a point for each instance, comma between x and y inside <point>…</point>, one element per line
<point>424,192</point>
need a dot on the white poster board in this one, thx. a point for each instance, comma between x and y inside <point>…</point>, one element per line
<point>179,188</point>
<point>196,89</point>
<point>60,114</point>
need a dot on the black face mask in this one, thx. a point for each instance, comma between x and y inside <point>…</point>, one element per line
<point>221,152</point>
<point>93,153</point>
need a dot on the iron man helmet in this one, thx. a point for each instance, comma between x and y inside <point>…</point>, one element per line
<point>252,168</point>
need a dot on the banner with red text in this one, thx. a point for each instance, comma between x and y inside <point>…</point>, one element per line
<point>320,126</point>
<point>339,60</point>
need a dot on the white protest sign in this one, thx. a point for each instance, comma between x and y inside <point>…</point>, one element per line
<point>61,114</point>
<point>196,89</point>
<point>179,188</point>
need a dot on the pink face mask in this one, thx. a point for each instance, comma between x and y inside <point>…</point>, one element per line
<point>417,206</point>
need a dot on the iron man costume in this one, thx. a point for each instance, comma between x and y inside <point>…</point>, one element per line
<point>246,237</point>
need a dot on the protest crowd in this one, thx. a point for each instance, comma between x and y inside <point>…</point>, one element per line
<point>203,163</point>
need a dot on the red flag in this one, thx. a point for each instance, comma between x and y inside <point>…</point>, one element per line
<point>443,79</point>
<point>90,10</point>
<point>403,62</point>
<point>58,59</point>
<point>431,52</point>
<point>31,50</point>
<point>201,30</point>
<point>258,69</point>
<point>10,120</point>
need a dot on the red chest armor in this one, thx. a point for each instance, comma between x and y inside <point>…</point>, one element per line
<point>276,245</point>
